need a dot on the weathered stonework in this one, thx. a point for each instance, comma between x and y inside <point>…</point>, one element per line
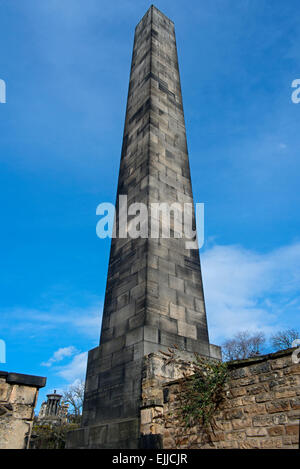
<point>18,397</point>
<point>154,294</point>
<point>261,408</point>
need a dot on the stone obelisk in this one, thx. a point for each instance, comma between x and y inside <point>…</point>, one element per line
<point>154,295</point>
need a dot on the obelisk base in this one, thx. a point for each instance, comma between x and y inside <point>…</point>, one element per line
<point>152,372</point>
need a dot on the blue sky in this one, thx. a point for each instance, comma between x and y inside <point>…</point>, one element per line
<point>66,67</point>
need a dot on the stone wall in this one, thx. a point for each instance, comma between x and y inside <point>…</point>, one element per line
<point>18,397</point>
<point>261,405</point>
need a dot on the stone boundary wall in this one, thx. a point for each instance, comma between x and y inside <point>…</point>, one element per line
<point>18,397</point>
<point>260,410</point>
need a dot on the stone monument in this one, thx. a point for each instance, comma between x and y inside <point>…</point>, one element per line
<point>154,294</point>
<point>53,411</point>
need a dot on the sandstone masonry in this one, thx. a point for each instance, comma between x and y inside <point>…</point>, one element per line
<point>261,406</point>
<point>154,293</point>
<point>18,397</point>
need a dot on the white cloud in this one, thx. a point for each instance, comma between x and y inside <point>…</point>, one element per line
<point>60,354</point>
<point>86,321</point>
<point>75,370</point>
<point>243,289</point>
<point>249,290</point>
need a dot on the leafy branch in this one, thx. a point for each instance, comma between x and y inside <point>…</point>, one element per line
<point>202,392</point>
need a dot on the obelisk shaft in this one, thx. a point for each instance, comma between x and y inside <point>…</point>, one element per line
<point>154,296</point>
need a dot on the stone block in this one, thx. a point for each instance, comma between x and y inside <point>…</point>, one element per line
<point>292,429</point>
<point>176,283</point>
<point>134,336</point>
<point>177,312</point>
<point>295,403</point>
<point>277,406</point>
<point>255,409</point>
<point>13,433</point>
<point>5,389</point>
<point>185,300</point>
<point>256,432</point>
<point>271,443</point>
<point>277,430</point>
<point>187,330</point>
<point>151,334</point>
<point>23,395</point>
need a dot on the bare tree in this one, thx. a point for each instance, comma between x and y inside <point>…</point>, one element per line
<point>284,339</point>
<point>243,345</point>
<point>74,397</point>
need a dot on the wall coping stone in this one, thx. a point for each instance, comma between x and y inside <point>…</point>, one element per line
<point>231,365</point>
<point>260,358</point>
<point>24,380</point>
